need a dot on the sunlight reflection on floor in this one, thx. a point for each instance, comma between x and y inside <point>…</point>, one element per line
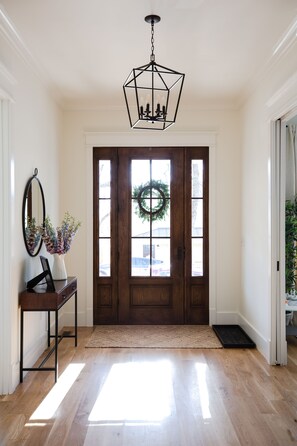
<point>135,392</point>
<point>52,401</point>
<point>203,390</point>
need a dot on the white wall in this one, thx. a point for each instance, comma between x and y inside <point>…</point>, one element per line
<point>271,99</point>
<point>34,140</point>
<point>225,182</point>
<point>65,174</point>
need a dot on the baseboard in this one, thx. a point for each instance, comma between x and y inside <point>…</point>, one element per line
<point>222,317</point>
<point>31,356</point>
<point>263,344</point>
<point>67,319</point>
<point>15,376</point>
<point>226,318</point>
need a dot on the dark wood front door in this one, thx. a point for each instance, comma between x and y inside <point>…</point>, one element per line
<point>151,235</point>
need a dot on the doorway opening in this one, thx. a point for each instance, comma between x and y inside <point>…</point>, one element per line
<point>284,185</point>
<point>151,237</point>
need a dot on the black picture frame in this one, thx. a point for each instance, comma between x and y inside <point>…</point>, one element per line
<point>47,271</point>
<point>46,274</point>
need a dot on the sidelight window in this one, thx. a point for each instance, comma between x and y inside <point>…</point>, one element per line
<point>104,217</point>
<point>197,217</point>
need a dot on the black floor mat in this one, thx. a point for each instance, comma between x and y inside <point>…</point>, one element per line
<point>233,336</point>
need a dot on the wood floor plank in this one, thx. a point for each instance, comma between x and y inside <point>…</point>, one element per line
<point>145,397</point>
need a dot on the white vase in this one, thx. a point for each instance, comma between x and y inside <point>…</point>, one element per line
<point>59,269</point>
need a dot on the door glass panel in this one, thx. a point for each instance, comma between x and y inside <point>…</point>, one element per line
<point>161,171</point>
<point>140,172</point>
<point>150,217</point>
<point>104,218</point>
<point>197,178</point>
<point>197,218</point>
<point>104,257</point>
<point>140,228</point>
<point>197,257</point>
<point>161,257</point>
<point>140,257</point>
<point>104,179</point>
<point>161,228</point>
<point>104,206</point>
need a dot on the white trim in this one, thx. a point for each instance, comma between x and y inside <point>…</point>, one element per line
<point>278,352</point>
<point>5,251</point>
<point>36,349</point>
<point>9,32</point>
<point>291,114</point>
<point>212,228</point>
<point>281,357</point>
<point>67,319</point>
<point>5,74</point>
<point>287,44</point>
<point>134,139</point>
<point>225,317</point>
<point>282,103</point>
<point>273,218</point>
<point>6,78</point>
<point>89,236</point>
<point>263,345</point>
<point>287,40</point>
<point>284,100</point>
<point>5,95</point>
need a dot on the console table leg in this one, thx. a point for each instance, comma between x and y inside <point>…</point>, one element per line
<point>75,318</point>
<point>56,345</point>
<point>48,328</point>
<point>22,346</point>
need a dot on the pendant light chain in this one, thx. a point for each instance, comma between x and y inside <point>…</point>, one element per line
<point>152,42</point>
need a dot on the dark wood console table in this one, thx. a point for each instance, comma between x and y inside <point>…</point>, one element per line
<point>41,299</point>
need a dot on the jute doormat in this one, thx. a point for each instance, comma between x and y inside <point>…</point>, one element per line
<point>153,336</point>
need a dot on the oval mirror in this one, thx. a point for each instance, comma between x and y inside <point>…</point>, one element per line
<point>33,214</point>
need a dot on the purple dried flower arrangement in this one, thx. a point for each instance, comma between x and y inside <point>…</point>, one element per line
<point>58,240</point>
<point>32,234</point>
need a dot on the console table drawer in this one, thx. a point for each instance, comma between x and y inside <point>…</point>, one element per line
<point>39,299</point>
<point>66,293</point>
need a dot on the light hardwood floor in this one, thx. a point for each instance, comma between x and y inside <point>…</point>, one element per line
<point>139,397</point>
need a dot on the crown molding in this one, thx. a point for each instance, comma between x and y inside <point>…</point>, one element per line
<point>12,36</point>
<point>7,80</point>
<point>133,138</point>
<point>285,46</point>
<point>10,33</point>
<point>5,74</point>
<point>282,104</point>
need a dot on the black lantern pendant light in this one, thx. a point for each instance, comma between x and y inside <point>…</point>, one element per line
<point>152,92</point>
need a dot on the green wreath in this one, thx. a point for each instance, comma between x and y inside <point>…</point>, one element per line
<point>145,194</point>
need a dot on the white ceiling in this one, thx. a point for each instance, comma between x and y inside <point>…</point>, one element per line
<point>86,48</point>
